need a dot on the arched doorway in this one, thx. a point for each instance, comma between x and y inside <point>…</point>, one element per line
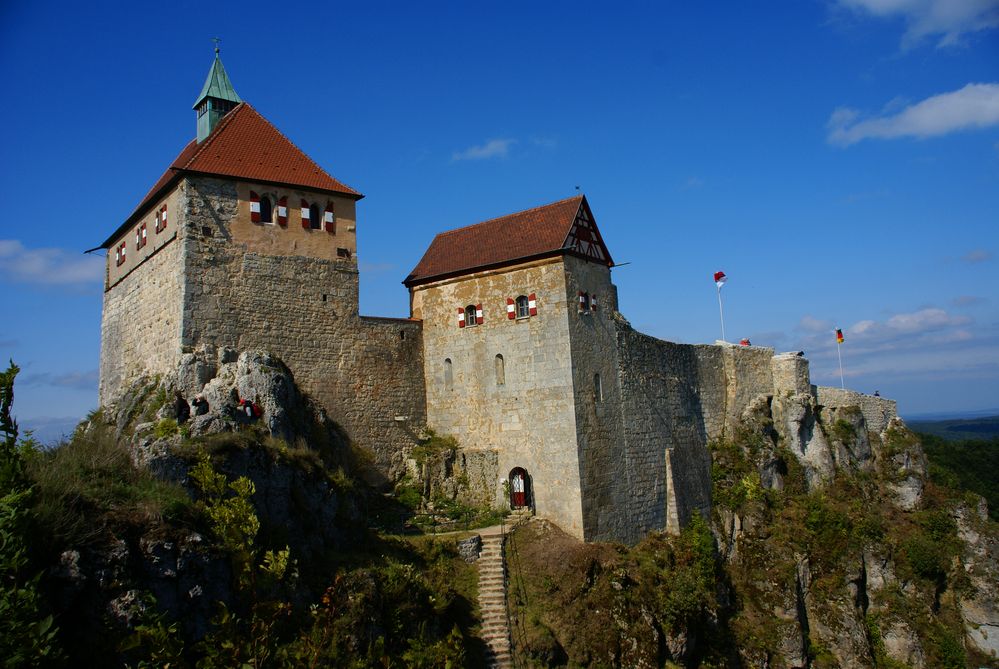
<point>520,488</point>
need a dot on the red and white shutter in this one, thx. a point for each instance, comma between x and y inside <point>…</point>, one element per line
<point>138,238</point>
<point>511,308</point>
<point>283,211</point>
<point>593,302</point>
<point>582,301</point>
<point>306,223</point>
<point>329,220</point>
<point>143,234</point>
<point>478,314</point>
<point>532,304</point>
<point>254,207</point>
<point>163,218</point>
<point>117,256</point>
<point>461,317</point>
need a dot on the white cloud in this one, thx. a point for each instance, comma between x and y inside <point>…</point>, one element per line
<point>950,19</point>
<point>976,256</point>
<point>974,106</point>
<point>494,148</point>
<point>812,324</point>
<point>75,380</point>
<point>47,266</point>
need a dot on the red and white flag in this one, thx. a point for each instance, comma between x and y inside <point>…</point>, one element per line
<point>720,279</point>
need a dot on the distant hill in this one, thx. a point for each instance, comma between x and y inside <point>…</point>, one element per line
<point>986,427</point>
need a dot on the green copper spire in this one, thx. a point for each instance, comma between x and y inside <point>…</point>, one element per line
<point>217,98</point>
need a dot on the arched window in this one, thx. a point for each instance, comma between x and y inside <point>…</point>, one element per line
<point>470,315</point>
<point>315,217</point>
<point>448,375</point>
<point>523,307</point>
<point>500,370</point>
<point>598,389</point>
<point>265,210</point>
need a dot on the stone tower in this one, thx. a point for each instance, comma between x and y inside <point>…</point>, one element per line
<point>245,242</point>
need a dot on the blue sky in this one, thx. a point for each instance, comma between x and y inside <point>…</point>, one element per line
<point>838,159</point>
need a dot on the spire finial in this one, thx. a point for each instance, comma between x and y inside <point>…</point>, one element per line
<point>217,40</point>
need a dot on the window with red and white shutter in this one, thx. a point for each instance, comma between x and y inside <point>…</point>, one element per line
<point>283,212</point>
<point>461,317</point>
<point>306,222</point>
<point>532,304</point>
<point>329,220</point>
<point>254,207</point>
<point>511,308</point>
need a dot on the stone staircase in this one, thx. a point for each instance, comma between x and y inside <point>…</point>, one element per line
<point>492,601</point>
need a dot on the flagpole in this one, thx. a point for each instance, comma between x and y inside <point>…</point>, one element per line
<point>842,384</point>
<point>721,313</point>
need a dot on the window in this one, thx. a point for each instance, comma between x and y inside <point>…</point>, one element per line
<point>119,254</point>
<point>523,307</point>
<point>470,315</point>
<point>584,302</point>
<point>140,236</point>
<point>598,389</point>
<point>266,210</point>
<point>448,375</point>
<point>500,370</point>
<point>315,220</point>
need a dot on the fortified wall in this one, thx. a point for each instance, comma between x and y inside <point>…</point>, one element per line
<point>220,281</point>
<point>675,398</point>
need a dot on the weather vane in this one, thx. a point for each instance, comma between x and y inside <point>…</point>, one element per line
<point>217,40</point>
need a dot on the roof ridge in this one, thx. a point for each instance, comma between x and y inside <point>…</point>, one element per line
<point>297,148</point>
<point>516,213</point>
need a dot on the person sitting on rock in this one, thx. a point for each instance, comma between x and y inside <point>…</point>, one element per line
<point>181,409</point>
<point>200,405</point>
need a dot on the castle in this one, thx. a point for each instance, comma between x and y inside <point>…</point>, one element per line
<point>514,345</point>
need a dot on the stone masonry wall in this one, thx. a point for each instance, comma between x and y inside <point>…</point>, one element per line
<point>603,472</point>
<point>528,419</point>
<point>662,408</point>
<point>141,318</point>
<point>366,372</point>
<point>878,411</point>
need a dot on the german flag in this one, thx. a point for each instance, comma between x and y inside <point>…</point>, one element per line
<point>839,336</point>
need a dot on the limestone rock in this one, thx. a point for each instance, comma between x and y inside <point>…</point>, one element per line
<point>980,608</point>
<point>902,644</point>
<point>796,421</point>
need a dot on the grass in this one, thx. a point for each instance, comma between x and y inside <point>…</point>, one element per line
<point>88,484</point>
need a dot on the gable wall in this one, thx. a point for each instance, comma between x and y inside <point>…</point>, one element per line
<point>529,420</point>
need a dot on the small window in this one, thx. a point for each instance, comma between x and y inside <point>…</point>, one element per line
<point>598,389</point>
<point>448,375</point>
<point>523,307</point>
<point>342,253</point>
<point>315,218</point>
<point>584,302</point>
<point>500,370</point>
<point>470,315</point>
<point>266,210</point>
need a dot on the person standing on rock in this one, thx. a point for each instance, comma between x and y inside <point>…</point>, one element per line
<point>200,405</point>
<point>181,409</point>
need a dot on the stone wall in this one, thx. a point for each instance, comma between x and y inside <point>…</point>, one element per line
<point>663,410</point>
<point>593,341</point>
<point>878,411</point>
<point>366,372</point>
<point>141,318</point>
<point>528,416</point>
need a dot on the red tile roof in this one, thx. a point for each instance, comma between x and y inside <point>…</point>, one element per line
<point>507,239</point>
<point>245,146</point>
